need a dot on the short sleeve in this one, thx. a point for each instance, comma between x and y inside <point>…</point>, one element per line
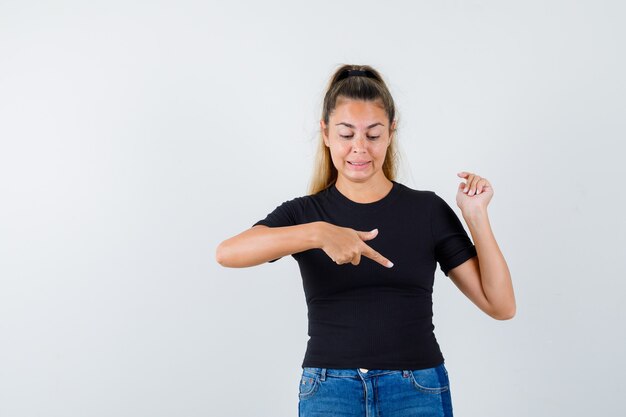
<point>452,244</point>
<point>283,215</point>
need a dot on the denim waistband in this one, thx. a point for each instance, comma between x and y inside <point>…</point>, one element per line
<point>353,372</point>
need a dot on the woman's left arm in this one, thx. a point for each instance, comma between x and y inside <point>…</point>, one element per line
<point>487,280</point>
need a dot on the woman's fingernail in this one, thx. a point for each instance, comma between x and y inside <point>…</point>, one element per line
<point>389,264</point>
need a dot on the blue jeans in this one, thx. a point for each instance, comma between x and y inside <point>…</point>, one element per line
<point>374,392</point>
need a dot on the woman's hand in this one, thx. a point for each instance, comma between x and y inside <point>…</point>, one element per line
<point>474,195</point>
<point>344,245</point>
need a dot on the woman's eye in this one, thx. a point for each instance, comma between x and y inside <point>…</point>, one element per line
<point>369,137</point>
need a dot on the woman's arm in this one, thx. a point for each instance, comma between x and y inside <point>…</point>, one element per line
<point>485,279</point>
<point>261,244</point>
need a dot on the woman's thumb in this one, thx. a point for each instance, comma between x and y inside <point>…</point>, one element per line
<point>368,235</point>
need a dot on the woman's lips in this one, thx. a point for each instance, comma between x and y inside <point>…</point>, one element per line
<point>359,166</point>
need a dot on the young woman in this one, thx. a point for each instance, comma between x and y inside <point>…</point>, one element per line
<point>367,247</point>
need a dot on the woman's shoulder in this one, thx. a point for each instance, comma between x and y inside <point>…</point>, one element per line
<point>416,192</point>
<point>301,201</point>
<point>426,200</point>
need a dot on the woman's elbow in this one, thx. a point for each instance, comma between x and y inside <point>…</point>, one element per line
<point>231,255</point>
<point>221,255</point>
<point>504,314</point>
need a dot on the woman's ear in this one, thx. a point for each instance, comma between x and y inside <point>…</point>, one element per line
<point>392,131</point>
<point>323,128</point>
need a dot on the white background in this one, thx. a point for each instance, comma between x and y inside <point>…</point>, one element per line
<point>136,136</point>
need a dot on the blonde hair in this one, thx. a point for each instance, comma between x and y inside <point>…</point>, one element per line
<point>370,87</point>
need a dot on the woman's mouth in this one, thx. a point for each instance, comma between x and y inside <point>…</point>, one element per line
<point>359,165</point>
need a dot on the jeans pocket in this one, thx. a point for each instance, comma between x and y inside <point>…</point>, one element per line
<point>430,380</point>
<point>309,384</point>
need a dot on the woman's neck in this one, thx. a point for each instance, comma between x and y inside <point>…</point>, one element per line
<point>364,192</point>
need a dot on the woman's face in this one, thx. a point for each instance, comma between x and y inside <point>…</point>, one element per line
<point>358,135</point>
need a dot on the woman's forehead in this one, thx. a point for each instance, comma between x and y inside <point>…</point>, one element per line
<point>359,113</point>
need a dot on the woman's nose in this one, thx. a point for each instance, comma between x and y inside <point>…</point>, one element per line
<point>359,144</point>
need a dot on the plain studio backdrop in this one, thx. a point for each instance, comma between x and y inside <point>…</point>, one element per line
<point>136,136</point>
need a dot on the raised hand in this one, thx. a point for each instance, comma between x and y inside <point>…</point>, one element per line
<point>475,194</point>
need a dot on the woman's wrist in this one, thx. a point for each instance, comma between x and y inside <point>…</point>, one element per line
<point>317,232</point>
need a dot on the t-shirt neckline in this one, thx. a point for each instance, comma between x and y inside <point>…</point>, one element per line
<point>374,205</point>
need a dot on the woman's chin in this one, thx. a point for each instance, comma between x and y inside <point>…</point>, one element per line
<point>357,176</point>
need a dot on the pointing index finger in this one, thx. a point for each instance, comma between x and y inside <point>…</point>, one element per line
<point>375,256</point>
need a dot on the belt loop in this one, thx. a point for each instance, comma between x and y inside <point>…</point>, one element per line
<point>323,376</point>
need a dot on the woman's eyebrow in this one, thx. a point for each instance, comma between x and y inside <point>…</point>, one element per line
<point>351,126</point>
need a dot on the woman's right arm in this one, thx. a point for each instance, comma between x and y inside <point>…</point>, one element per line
<point>261,244</point>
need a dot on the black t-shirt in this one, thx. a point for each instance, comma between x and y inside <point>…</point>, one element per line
<point>367,315</point>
